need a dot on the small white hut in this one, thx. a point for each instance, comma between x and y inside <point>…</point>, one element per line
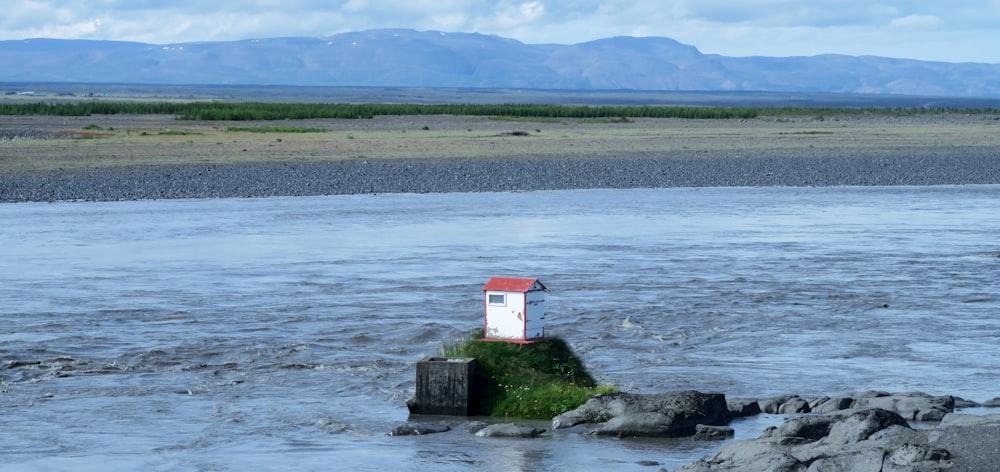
<point>514,310</point>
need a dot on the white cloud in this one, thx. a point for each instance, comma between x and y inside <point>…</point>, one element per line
<point>925,29</point>
<point>355,5</point>
<point>514,15</point>
<point>916,21</point>
<point>449,22</point>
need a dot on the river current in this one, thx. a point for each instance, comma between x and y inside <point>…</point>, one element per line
<point>282,333</point>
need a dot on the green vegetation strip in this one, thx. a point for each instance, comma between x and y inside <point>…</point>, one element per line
<point>250,111</point>
<point>539,380</point>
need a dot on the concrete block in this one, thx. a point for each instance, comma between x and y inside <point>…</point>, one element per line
<point>445,386</point>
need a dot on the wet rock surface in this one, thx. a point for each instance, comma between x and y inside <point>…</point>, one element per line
<point>914,406</point>
<point>508,430</point>
<point>416,429</point>
<point>871,439</point>
<point>863,431</point>
<point>674,414</point>
<point>903,432</point>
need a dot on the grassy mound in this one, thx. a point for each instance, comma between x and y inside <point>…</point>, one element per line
<point>538,380</point>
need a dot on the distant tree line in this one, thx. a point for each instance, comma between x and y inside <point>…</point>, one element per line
<point>90,108</point>
<point>252,111</point>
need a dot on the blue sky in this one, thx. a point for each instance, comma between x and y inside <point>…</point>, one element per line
<point>964,31</point>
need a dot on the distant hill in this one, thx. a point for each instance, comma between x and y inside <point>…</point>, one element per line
<point>406,58</point>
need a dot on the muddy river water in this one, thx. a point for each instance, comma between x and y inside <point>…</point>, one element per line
<point>282,333</point>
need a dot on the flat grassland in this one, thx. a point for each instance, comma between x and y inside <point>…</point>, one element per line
<point>116,141</point>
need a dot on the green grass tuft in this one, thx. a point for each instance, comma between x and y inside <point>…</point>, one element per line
<point>538,380</point>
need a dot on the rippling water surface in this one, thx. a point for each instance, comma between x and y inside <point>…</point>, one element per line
<point>282,333</point>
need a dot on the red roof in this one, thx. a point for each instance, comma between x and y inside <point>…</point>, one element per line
<point>511,284</point>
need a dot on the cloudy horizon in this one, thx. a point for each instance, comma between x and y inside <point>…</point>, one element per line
<point>916,29</point>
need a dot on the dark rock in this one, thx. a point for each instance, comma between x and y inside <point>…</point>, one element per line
<point>848,438</point>
<point>509,430</point>
<point>784,405</point>
<point>993,403</point>
<point>860,425</point>
<point>638,425</point>
<point>970,442</point>
<point>963,403</point>
<point>830,404</point>
<point>910,454</point>
<point>474,426</point>
<point>712,433</point>
<point>672,414</point>
<point>959,419</point>
<point>740,407</point>
<point>833,442</point>
<point>413,429</point>
<point>794,405</point>
<point>914,406</point>
<point>801,430</point>
<point>771,405</point>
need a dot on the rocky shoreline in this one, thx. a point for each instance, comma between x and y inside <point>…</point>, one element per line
<point>865,431</point>
<point>957,166</point>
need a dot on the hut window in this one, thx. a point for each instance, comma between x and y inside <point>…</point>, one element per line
<point>497,299</point>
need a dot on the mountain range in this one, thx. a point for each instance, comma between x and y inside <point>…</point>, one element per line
<point>407,58</point>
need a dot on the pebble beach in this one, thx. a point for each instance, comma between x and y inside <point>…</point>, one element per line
<point>839,157</point>
<point>523,174</point>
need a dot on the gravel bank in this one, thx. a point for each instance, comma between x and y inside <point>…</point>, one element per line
<point>951,166</point>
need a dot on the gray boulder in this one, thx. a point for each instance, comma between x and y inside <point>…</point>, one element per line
<point>474,426</point>
<point>861,425</point>
<point>992,403</point>
<point>673,414</point>
<point>830,404</point>
<point>794,405</point>
<point>964,403</point>
<point>413,429</point>
<point>858,441</point>
<point>914,406</point>
<point>961,419</point>
<point>739,407</point>
<point>773,404</point>
<point>911,454</point>
<point>706,432</point>
<point>508,430</point>
<point>970,441</point>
